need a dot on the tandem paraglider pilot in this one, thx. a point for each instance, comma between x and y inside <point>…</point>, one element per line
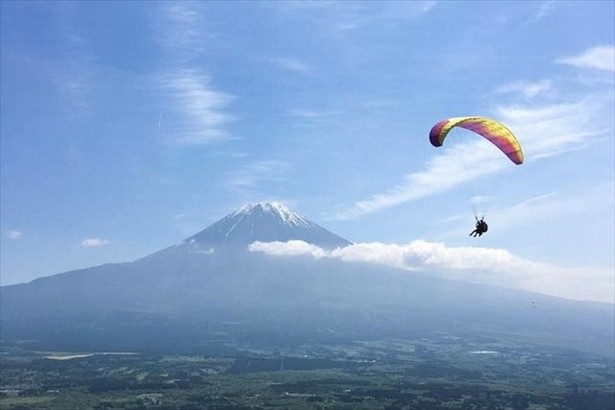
<point>493,131</point>
<point>481,227</point>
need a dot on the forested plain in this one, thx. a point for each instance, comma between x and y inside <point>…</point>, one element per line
<point>440,372</point>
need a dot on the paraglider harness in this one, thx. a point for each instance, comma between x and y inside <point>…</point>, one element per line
<point>481,227</point>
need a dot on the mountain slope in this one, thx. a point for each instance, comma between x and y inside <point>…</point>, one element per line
<point>211,287</point>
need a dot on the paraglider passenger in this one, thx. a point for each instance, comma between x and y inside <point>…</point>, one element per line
<point>481,227</point>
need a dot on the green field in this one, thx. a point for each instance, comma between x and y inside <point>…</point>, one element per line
<point>438,373</point>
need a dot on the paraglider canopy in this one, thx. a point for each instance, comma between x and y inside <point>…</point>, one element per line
<point>493,131</point>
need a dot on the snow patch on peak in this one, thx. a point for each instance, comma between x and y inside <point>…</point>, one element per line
<point>278,209</point>
<point>288,216</point>
<point>244,209</point>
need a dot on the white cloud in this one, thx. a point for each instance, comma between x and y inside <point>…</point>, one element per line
<point>198,111</point>
<point>551,130</point>
<point>93,243</point>
<point>600,58</point>
<point>471,264</point>
<point>202,109</point>
<point>543,131</point>
<point>290,248</point>
<point>527,89</point>
<point>14,234</point>
<point>460,163</point>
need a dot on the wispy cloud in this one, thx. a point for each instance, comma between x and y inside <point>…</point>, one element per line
<point>544,131</point>
<point>14,234</point>
<point>181,29</point>
<point>461,163</point>
<point>255,176</point>
<point>202,109</point>
<point>93,243</point>
<point>472,264</point>
<point>600,58</point>
<point>380,103</point>
<point>545,8</point>
<point>547,131</point>
<point>199,113</point>
<point>527,89</point>
<point>555,205</point>
<point>314,118</point>
<point>345,17</point>
<point>234,154</point>
<point>312,114</point>
<point>539,210</point>
<point>76,72</point>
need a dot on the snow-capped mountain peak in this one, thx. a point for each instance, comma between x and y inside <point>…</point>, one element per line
<point>266,222</point>
<point>278,209</point>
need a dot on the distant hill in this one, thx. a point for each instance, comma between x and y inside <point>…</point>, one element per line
<point>208,293</point>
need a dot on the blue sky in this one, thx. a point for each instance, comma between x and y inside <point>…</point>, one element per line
<point>126,127</point>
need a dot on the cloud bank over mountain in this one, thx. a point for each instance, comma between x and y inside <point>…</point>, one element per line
<point>472,264</point>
